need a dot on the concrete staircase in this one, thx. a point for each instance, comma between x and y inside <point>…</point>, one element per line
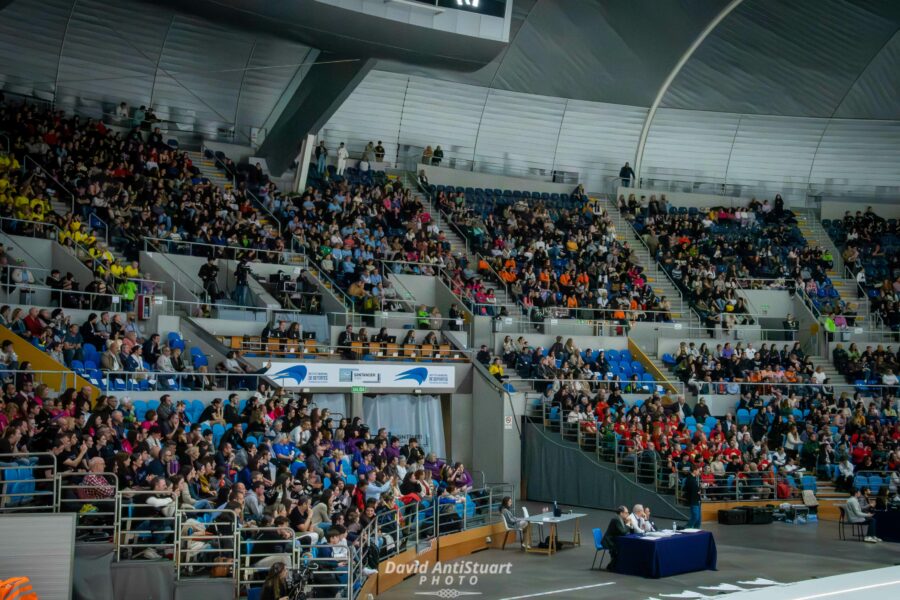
<point>209,170</point>
<point>656,277</point>
<point>458,246</point>
<point>815,235</point>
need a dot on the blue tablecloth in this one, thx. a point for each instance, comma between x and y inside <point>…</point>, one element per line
<point>887,524</point>
<point>680,553</point>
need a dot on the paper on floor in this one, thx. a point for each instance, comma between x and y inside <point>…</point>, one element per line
<point>760,581</point>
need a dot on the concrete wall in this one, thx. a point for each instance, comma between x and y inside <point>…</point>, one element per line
<point>36,252</point>
<point>459,178</point>
<point>774,303</point>
<point>496,449</point>
<point>421,287</point>
<point>458,424</point>
<point>66,262</point>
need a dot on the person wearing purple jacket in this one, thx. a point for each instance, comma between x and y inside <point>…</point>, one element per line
<point>461,478</point>
<point>393,449</point>
<point>434,465</point>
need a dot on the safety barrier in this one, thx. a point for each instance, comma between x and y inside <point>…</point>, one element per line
<point>261,547</point>
<point>27,482</point>
<point>211,542</point>
<point>95,499</point>
<point>147,524</point>
<point>206,542</point>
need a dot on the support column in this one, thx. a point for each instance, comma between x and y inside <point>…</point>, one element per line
<point>303,160</point>
<point>356,405</point>
<point>319,95</point>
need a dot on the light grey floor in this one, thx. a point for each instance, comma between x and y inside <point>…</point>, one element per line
<point>779,552</point>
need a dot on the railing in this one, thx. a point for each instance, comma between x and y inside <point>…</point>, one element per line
<point>28,482</point>
<point>410,157</point>
<point>147,524</point>
<point>233,178</point>
<point>60,188</point>
<point>619,221</point>
<point>183,247</point>
<point>38,229</point>
<point>96,504</point>
<point>227,133</point>
<point>714,388</point>
<point>205,539</point>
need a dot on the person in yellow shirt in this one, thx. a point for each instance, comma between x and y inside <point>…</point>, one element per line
<point>496,369</point>
<point>132,271</point>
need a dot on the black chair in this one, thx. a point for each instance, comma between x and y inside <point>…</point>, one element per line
<point>856,529</point>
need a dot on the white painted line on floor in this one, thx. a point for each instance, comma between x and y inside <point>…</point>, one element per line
<point>574,589</point>
<point>760,581</point>
<point>724,587</point>
<point>846,590</point>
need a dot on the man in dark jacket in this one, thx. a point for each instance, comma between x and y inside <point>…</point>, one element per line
<point>691,495</point>
<point>626,174</point>
<point>614,530</point>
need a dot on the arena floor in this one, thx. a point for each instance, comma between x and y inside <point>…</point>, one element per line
<point>778,552</point>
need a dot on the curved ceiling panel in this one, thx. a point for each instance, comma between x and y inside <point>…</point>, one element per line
<point>31,34</point>
<point>92,54</point>
<point>784,58</point>
<point>875,94</point>
<point>108,56</point>
<point>608,51</point>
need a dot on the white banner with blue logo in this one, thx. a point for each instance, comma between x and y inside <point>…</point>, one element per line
<point>369,375</point>
<point>406,416</point>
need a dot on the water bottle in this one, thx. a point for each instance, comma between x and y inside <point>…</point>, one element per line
<point>674,526</point>
<point>556,510</point>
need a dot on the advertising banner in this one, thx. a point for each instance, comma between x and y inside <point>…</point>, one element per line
<point>369,376</point>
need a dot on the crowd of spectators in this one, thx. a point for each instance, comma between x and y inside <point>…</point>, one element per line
<point>777,432</point>
<point>125,187</point>
<point>710,253</point>
<point>563,260</point>
<point>873,366</point>
<point>702,367</point>
<point>281,464</point>
<point>870,245</point>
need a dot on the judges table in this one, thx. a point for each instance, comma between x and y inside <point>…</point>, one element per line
<point>887,523</point>
<point>552,524</point>
<point>648,556</point>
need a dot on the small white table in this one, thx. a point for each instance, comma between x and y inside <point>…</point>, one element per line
<point>553,522</point>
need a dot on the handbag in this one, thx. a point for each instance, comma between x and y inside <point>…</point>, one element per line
<point>222,568</point>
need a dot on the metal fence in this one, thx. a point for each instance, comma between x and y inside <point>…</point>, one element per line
<point>203,541</point>
<point>28,483</point>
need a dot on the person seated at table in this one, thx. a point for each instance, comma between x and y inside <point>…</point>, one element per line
<point>617,528</point>
<point>639,519</point>
<point>512,521</point>
<point>858,511</point>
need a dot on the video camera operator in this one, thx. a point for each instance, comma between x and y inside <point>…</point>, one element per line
<point>241,289</point>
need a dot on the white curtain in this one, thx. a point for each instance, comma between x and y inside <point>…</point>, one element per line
<point>407,415</point>
<point>336,403</point>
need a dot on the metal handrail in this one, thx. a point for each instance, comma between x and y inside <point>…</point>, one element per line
<point>285,255</point>
<point>246,190</point>
<point>62,188</point>
<point>657,269</point>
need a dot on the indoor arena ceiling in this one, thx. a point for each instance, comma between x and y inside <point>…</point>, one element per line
<point>814,58</point>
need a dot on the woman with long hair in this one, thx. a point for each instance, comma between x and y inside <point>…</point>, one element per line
<point>276,585</point>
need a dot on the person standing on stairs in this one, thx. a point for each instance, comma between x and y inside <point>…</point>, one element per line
<point>342,156</point>
<point>321,157</point>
